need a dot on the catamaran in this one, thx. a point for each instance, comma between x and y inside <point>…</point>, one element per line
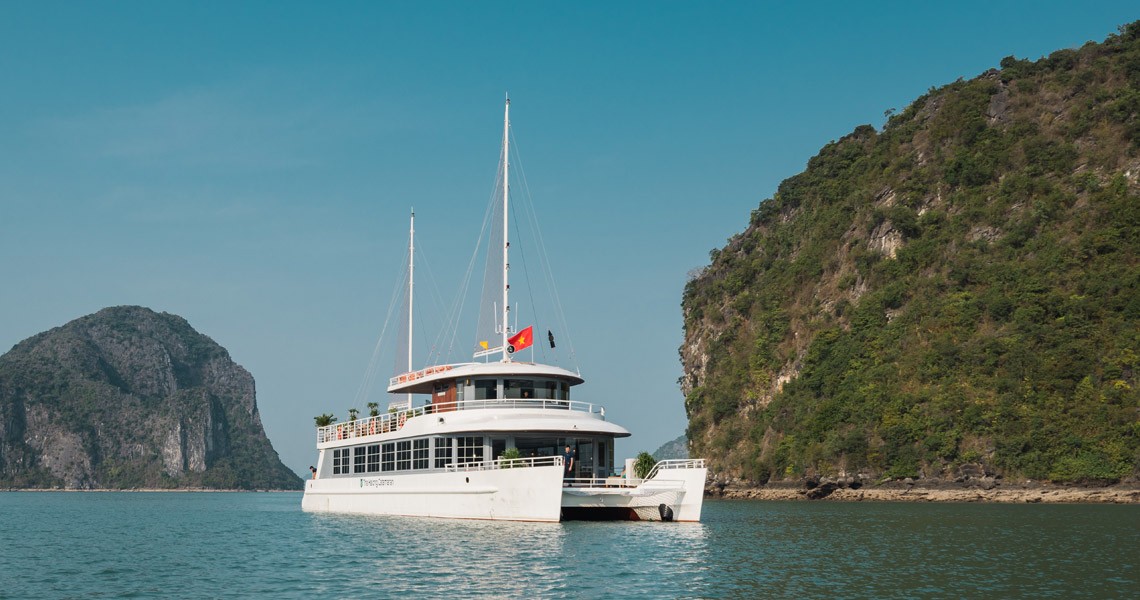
<point>490,441</point>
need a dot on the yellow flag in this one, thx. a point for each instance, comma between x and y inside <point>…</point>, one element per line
<point>483,344</point>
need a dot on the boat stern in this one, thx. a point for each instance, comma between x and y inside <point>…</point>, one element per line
<point>673,491</point>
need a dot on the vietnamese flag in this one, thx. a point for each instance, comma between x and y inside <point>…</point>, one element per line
<point>521,340</point>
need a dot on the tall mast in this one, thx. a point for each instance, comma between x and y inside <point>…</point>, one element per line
<point>506,235</point>
<point>411,287</point>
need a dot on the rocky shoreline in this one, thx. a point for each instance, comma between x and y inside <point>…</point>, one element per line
<point>979,490</point>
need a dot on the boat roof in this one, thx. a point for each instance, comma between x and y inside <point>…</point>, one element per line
<point>423,381</point>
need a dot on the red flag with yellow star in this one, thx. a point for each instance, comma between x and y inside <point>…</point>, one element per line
<point>520,340</point>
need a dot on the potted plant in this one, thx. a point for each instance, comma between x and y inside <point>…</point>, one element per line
<point>510,458</point>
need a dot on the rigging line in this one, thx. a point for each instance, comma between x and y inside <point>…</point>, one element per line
<point>370,372</point>
<point>490,226</point>
<point>549,272</point>
<point>437,299</point>
<point>465,284</point>
<point>451,319</point>
<point>456,308</point>
<point>526,275</point>
<point>404,331</point>
<point>528,209</point>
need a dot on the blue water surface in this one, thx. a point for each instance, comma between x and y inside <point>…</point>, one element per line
<point>214,545</point>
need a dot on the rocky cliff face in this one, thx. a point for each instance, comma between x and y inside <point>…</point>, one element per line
<point>673,449</point>
<point>129,398</point>
<point>958,292</point>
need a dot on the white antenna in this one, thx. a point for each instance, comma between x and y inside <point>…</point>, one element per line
<point>411,288</point>
<point>506,241</point>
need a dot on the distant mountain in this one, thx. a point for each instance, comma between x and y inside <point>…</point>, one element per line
<point>676,449</point>
<point>131,398</point>
<point>957,293</point>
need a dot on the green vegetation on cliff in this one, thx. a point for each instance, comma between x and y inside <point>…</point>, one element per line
<point>962,287</point>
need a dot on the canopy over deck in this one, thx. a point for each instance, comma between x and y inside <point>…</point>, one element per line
<point>423,381</point>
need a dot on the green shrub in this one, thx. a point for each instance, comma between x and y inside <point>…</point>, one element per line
<point>643,464</point>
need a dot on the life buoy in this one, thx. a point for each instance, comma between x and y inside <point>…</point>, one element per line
<point>400,421</point>
<point>372,427</point>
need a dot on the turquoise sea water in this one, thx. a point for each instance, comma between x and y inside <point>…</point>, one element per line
<point>206,545</point>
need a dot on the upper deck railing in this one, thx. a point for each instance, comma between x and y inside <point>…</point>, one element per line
<point>394,421</point>
<point>414,375</point>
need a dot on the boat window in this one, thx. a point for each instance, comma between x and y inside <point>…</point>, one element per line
<point>404,455</point>
<point>420,453</point>
<point>529,447</point>
<point>340,461</point>
<point>518,388</point>
<point>470,450</point>
<point>485,389</point>
<point>565,391</point>
<point>442,452</point>
<point>358,459</point>
<point>550,390</point>
<point>374,458</point>
<point>388,457</point>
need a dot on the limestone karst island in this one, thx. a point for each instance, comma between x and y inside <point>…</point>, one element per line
<point>128,398</point>
<point>954,298</point>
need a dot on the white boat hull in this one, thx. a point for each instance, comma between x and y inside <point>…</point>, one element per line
<point>521,494</point>
<point>681,490</point>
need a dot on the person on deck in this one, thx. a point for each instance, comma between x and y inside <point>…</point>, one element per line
<point>568,461</point>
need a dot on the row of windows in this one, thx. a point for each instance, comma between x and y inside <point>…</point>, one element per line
<point>406,455</point>
<point>440,452</point>
<point>488,389</point>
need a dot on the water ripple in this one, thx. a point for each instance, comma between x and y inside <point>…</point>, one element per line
<point>186,545</point>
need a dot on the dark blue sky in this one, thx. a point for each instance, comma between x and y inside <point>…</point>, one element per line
<point>250,166</point>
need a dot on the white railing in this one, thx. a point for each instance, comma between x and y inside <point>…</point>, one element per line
<point>415,375</point>
<point>509,463</point>
<point>675,463</point>
<point>394,421</point>
<point>632,482</point>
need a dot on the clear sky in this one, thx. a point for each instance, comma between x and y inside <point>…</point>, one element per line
<point>249,166</point>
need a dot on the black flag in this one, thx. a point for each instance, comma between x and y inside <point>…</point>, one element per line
<point>550,336</point>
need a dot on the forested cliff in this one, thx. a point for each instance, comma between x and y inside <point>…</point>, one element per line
<point>131,398</point>
<point>960,290</point>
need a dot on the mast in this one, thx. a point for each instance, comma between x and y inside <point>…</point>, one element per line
<point>411,288</point>
<point>506,234</point>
